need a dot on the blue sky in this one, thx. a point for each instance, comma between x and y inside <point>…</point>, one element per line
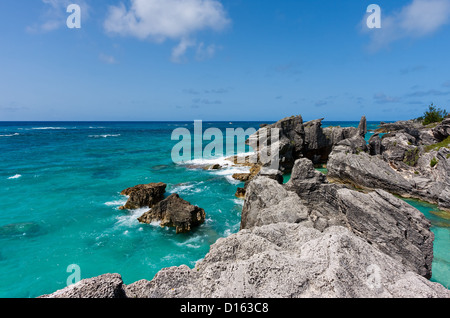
<point>222,60</point>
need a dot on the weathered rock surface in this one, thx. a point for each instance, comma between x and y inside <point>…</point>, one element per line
<point>385,221</point>
<point>104,286</point>
<point>303,140</point>
<point>291,139</point>
<point>144,195</point>
<point>284,260</point>
<point>365,171</point>
<point>175,212</point>
<point>267,202</point>
<point>442,131</point>
<point>317,194</point>
<point>374,144</point>
<point>411,127</point>
<point>398,163</point>
<point>240,193</point>
<point>393,226</point>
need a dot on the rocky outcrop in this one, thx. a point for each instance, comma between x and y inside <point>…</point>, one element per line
<point>374,145</point>
<point>291,139</point>
<point>303,140</point>
<point>411,127</point>
<point>364,171</point>
<point>104,286</point>
<point>144,195</point>
<point>393,226</point>
<point>286,260</point>
<point>267,202</point>
<point>442,131</point>
<point>385,221</point>
<point>317,194</point>
<point>259,172</point>
<point>402,162</point>
<point>175,212</point>
<point>312,237</point>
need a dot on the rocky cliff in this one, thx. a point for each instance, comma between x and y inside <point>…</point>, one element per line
<point>409,160</point>
<point>312,237</point>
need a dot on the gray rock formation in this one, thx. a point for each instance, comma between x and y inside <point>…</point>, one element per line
<point>411,127</point>
<point>267,202</point>
<point>399,163</point>
<point>374,144</point>
<point>284,260</point>
<point>442,131</point>
<point>388,223</point>
<point>144,195</point>
<point>365,171</point>
<point>303,140</point>
<point>291,140</point>
<point>317,194</point>
<point>393,226</point>
<point>175,212</point>
<point>104,286</point>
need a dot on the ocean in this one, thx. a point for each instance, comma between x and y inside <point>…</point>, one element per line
<point>60,193</point>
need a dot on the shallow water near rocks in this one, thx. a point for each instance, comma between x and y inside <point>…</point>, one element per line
<point>61,186</point>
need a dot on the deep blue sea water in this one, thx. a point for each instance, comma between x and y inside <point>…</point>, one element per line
<point>60,192</point>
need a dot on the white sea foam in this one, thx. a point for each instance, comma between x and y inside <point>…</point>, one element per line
<point>47,128</point>
<point>223,161</point>
<point>10,135</point>
<point>188,187</point>
<point>228,168</point>
<point>104,136</point>
<point>194,242</point>
<point>129,220</point>
<point>116,203</point>
<point>17,176</point>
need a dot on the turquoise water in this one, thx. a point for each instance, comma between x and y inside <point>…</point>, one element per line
<point>440,222</point>
<point>60,195</point>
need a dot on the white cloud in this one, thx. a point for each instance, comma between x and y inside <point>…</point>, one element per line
<point>55,15</point>
<point>179,51</point>
<point>159,20</point>
<point>417,19</point>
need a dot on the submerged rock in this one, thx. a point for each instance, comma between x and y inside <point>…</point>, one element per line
<point>20,229</point>
<point>144,195</point>
<point>175,212</point>
<point>240,193</point>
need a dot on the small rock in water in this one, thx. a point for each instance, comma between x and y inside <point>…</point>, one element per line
<point>144,195</point>
<point>175,212</point>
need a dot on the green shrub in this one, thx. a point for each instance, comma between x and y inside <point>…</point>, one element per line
<point>411,157</point>
<point>433,115</point>
<point>434,162</point>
